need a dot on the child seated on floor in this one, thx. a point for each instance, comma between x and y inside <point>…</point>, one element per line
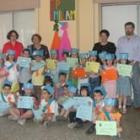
<point>22,114</point>
<point>98,104</point>
<point>7,99</point>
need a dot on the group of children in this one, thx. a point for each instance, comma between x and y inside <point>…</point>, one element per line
<point>53,91</point>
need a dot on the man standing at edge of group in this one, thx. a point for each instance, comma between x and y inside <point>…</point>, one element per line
<point>130,43</point>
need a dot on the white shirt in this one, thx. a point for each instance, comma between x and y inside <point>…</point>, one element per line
<point>8,98</point>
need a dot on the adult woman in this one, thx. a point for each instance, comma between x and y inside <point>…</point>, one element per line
<point>36,40</point>
<point>13,44</point>
<point>104,45</point>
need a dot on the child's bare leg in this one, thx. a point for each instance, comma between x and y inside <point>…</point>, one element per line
<point>62,112</point>
<point>124,101</point>
<point>14,112</point>
<point>120,101</point>
<point>27,115</point>
<point>66,113</point>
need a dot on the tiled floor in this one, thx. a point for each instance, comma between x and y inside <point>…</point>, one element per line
<point>58,131</point>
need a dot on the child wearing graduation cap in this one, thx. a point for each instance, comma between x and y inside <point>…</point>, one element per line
<point>94,78</point>
<point>38,68</point>
<point>65,54</point>
<point>54,54</point>
<point>102,59</point>
<point>98,105</point>
<point>21,115</point>
<point>12,67</point>
<point>111,114</point>
<point>123,90</point>
<point>6,97</point>
<point>49,79</point>
<point>68,105</point>
<point>110,86</point>
<point>48,104</point>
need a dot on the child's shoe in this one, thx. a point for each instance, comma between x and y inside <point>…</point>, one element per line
<point>12,118</point>
<point>22,121</point>
<point>91,129</point>
<point>118,137</point>
<point>124,110</point>
<point>60,118</point>
<point>72,125</point>
<point>46,123</point>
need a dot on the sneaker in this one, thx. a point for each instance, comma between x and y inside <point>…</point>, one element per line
<point>22,121</point>
<point>118,137</point>
<point>124,110</point>
<point>60,118</point>
<point>71,125</point>
<point>91,129</point>
<point>12,118</point>
<point>46,123</point>
<point>79,125</point>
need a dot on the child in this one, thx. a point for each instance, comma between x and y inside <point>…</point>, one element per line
<point>48,104</point>
<point>49,79</point>
<point>76,122</point>
<point>11,66</point>
<point>37,72</point>
<point>94,78</point>
<point>123,84</point>
<point>111,114</point>
<point>24,73</point>
<point>68,104</point>
<point>110,86</point>
<point>65,54</point>
<point>6,97</point>
<point>21,115</point>
<point>74,53</point>
<point>3,71</point>
<point>102,59</point>
<point>98,104</point>
<point>54,54</point>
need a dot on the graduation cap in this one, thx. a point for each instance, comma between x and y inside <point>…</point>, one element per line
<point>74,50</point>
<point>38,53</point>
<point>110,102</point>
<point>6,83</point>
<point>66,51</point>
<point>28,86</point>
<point>72,89</point>
<point>93,53</point>
<point>101,89</point>
<point>49,88</point>
<point>102,55</point>
<point>123,56</point>
<point>109,56</point>
<point>53,52</point>
<point>83,55</point>
<point>1,56</point>
<point>10,52</point>
<point>49,74</point>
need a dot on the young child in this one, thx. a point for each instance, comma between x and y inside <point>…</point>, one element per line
<point>37,67</point>
<point>49,79</point>
<point>94,78</point>
<point>102,59</point>
<point>12,67</point>
<point>6,97</point>
<point>48,104</point>
<point>98,105</point>
<point>3,71</point>
<point>24,73</point>
<point>65,54</point>
<point>21,115</point>
<point>54,54</point>
<point>111,114</point>
<point>68,104</point>
<point>123,84</point>
<point>110,86</point>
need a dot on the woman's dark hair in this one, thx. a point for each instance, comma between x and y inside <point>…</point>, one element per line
<point>10,34</point>
<point>105,32</point>
<point>129,23</point>
<point>36,35</point>
<point>85,88</point>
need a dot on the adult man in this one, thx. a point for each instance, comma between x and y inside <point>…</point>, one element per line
<point>130,43</point>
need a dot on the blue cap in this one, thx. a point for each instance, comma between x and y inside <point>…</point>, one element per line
<point>53,52</point>
<point>110,102</point>
<point>102,55</point>
<point>10,52</point>
<point>6,83</point>
<point>123,56</point>
<point>84,55</point>
<point>74,50</point>
<point>109,56</point>
<point>72,89</point>
<point>86,85</point>
<point>28,86</point>
<point>101,89</point>
<point>38,53</point>
<point>1,56</point>
<point>93,53</point>
<point>49,74</point>
<point>49,88</point>
<point>66,51</point>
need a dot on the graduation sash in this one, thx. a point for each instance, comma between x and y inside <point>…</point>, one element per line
<point>10,67</point>
<point>2,96</point>
<point>107,116</point>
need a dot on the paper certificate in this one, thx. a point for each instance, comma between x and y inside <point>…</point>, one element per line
<point>25,102</point>
<point>92,66</point>
<point>4,107</point>
<point>24,62</point>
<point>124,70</point>
<point>73,62</point>
<point>38,113</point>
<point>108,128</point>
<point>51,64</point>
<point>64,66</point>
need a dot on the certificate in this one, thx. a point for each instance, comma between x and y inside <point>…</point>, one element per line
<point>108,128</point>
<point>73,62</point>
<point>92,66</point>
<point>79,73</point>
<point>37,66</point>
<point>37,113</point>
<point>25,102</point>
<point>4,107</point>
<point>124,70</point>
<point>109,75</point>
<point>63,66</point>
<point>51,64</point>
<point>24,62</point>
<point>68,103</point>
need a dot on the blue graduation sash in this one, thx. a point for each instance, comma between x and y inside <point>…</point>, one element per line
<point>11,66</point>
<point>107,115</point>
<point>49,103</point>
<point>2,96</point>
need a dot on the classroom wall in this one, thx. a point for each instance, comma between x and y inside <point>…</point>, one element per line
<point>83,32</point>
